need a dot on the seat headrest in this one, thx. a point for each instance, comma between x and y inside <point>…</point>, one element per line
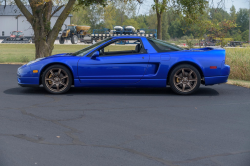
<point>138,48</point>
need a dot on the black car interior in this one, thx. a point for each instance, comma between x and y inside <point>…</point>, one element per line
<point>138,49</point>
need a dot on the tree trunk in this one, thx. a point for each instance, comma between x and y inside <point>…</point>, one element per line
<point>43,45</point>
<point>40,22</point>
<point>43,49</point>
<point>159,26</point>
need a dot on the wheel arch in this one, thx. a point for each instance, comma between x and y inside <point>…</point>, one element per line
<point>55,63</point>
<point>189,63</point>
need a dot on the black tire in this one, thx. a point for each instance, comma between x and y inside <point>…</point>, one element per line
<point>185,84</point>
<point>56,83</point>
<point>61,40</point>
<point>74,39</point>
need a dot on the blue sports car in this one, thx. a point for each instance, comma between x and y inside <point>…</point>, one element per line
<point>139,62</point>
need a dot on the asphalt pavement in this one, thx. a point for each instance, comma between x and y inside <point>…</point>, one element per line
<point>123,126</point>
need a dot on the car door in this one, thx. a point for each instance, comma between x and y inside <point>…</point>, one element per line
<point>127,68</point>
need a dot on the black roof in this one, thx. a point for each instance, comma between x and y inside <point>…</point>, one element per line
<point>13,10</point>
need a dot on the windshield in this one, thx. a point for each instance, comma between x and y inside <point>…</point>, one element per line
<point>14,33</point>
<point>72,28</point>
<point>162,46</point>
<point>20,33</point>
<point>90,48</point>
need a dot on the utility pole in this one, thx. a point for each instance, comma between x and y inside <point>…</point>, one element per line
<point>17,21</point>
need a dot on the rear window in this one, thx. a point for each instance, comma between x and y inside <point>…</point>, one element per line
<point>162,46</point>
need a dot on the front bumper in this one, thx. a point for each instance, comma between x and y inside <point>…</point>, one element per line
<point>28,81</point>
<point>25,77</point>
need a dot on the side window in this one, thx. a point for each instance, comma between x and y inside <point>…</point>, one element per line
<point>161,46</point>
<point>122,47</point>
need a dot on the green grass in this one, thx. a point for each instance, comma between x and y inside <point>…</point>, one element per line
<point>239,61</point>
<point>242,83</point>
<point>16,53</point>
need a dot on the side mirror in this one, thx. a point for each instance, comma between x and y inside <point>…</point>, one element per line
<point>95,54</point>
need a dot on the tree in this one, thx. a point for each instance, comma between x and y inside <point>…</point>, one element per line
<point>123,10</point>
<point>41,15</point>
<point>219,30</point>
<point>175,30</point>
<point>40,18</point>
<point>90,15</point>
<point>245,35</point>
<point>150,19</point>
<point>109,16</point>
<point>200,28</point>
<point>243,19</point>
<point>218,15</point>
<point>233,13</point>
<point>189,8</point>
<point>131,22</point>
<point>141,20</point>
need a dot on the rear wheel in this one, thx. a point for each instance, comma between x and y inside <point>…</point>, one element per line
<point>185,79</point>
<point>57,79</point>
<point>74,39</point>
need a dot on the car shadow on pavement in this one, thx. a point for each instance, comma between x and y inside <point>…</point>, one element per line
<point>203,91</point>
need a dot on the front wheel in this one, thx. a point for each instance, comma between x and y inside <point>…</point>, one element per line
<point>185,79</point>
<point>61,40</point>
<point>74,39</point>
<point>57,79</point>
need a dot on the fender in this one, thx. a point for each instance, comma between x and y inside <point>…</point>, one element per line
<point>186,61</point>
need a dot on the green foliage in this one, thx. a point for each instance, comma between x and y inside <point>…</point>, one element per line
<point>174,24</point>
<point>190,43</point>
<point>218,15</point>
<point>233,13</point>
<point>131,22</point>
<point>224,43</point>
<point>237,37</point>
<point>151,20</point>
<point>190,10</point>
<point>141,20</point>
<point>175,29</point>
<point>245,35</point>
<point>220,29</point>
<point>242,19</point>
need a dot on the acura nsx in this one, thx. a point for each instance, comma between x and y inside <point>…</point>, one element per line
<point>128,61</point>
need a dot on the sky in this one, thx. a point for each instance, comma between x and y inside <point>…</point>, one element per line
<point>145,7</point>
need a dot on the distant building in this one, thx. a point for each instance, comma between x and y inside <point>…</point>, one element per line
<point>12,19</point>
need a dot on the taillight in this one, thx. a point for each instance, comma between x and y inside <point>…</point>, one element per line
<point>213,67</point>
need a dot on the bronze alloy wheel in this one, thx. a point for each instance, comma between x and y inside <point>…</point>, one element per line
<point>57,79</point>
<point>185,79</point>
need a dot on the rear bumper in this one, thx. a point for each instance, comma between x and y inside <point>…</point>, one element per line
<point>215,80</point>
<point>225,71</point>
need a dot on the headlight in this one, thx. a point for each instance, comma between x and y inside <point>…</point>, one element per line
<point>38,59</point>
